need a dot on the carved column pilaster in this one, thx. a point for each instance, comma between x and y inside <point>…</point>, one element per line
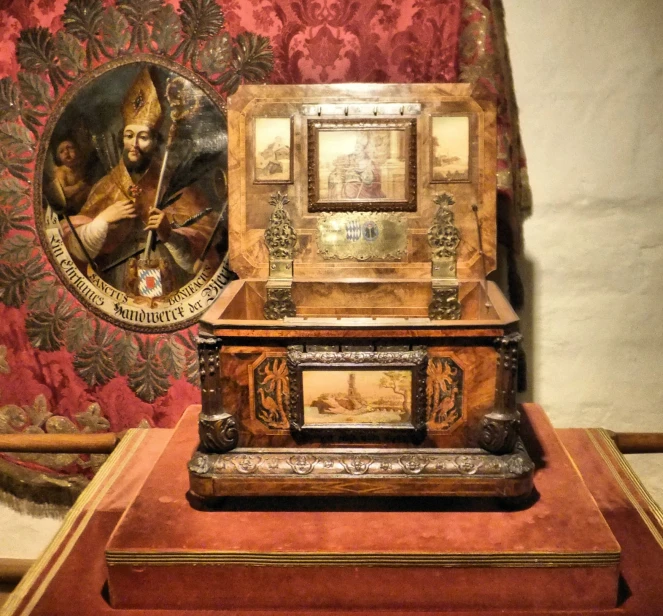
<point>208,361</point>
<point>498,430</point>
<point>216,428</point>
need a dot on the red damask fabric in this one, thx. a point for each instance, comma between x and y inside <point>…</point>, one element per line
<point>319,41</point>
<point>327,41</point>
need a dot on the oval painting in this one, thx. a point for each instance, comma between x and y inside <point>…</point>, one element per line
<point>133,195</point>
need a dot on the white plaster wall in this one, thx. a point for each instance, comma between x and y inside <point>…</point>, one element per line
<point>23,536</point>
<point>588,77</point>
<point>589,83</point>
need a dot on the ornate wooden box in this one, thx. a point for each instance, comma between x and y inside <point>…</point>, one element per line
<point>361,350</point>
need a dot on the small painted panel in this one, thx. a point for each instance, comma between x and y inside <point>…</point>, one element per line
<point>450,155</point>
<point>444,393</point>
<point>362,165</point>
<point>357,397</point>
<point>273,150</point>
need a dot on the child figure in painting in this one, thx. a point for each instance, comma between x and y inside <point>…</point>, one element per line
<point>69,175</point>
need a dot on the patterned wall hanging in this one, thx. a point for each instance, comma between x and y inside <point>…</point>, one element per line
<point>113,158</point>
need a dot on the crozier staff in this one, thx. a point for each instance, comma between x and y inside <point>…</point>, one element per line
<point>121,206</point>
<point>183,104</point>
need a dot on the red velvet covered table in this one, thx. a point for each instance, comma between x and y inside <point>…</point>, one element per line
<point>71,577</point>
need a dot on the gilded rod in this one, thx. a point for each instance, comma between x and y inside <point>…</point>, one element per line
<point>12,570</point>
<point>59,443</point>
<point>638,442</point>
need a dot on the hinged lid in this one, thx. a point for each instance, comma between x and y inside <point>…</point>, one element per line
<point>363,167</point>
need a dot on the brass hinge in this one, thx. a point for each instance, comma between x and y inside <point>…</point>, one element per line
<point>444,238</point>
<point>281,239</point>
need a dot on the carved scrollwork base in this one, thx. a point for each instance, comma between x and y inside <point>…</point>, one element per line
<point>218,433</point>
<point>498,432</point>
<point>445,304</point>
<point>300,471</point>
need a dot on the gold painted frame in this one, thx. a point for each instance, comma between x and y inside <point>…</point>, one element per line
<point>319,199</point>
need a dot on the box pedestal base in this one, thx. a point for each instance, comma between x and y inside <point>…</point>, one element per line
<point>364,553</point>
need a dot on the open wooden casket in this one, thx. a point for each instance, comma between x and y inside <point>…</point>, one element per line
<point>361,350</point>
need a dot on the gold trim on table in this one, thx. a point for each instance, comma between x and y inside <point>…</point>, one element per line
<point>617,462</point>
<point>329,559</point>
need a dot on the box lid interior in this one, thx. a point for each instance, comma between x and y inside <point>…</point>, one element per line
<point>299,140</point>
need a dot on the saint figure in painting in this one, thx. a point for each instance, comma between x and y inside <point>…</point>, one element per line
<point>113,224</point>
